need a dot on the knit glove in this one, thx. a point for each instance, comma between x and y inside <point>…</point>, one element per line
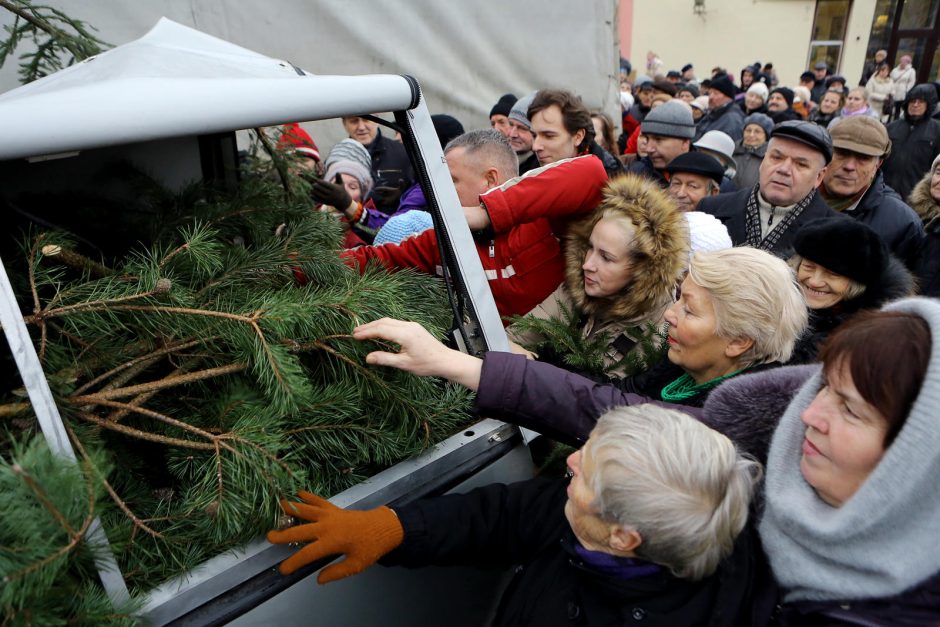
<point>333,194</point>
<point>363,537</point>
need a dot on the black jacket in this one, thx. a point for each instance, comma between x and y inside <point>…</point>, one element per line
<point>530,163</point>
<point>729,208</point>
<point>524,525</point>
<point>644,167</point>
<point>612,164</point>
<point>889,216</point>
<point>926,262</point>
<point>390,164</point>
<point>914,144</point>
<point>728,118</point>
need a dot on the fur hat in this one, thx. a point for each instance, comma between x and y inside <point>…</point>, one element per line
<point>844,246</point>
<point>801,94</point>
<point>660,237</point>
<point>504,105</point>
<point>724,85</point>
<point>670,119</point>
<point>293,136</point>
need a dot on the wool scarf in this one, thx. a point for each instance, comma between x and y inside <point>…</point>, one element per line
<point>884,539</point>
<point>752,221</point>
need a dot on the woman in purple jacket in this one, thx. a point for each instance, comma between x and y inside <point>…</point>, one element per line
<point>740,310</point>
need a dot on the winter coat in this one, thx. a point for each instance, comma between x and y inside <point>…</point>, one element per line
<point>748,160</point>
<point>903,82</point>
<point>565,406</point>
<point>524,525</point>
<point>390,164</point>
<point>914,144</point>
<point>730,209</point>
<point>612,164</point>
<point>878,92</point>
<point>922,202</point>
<point>865,111</point>
<point>823,119</point>
<point>522,259</point>
<point>895,282</point>
<point>890,217</point>
<point>644,167</point>
<point>758,401</point>
<point>784,116</point>
<point>728,118</point>
<point>528,164</point>
<point>926,264</point>
<point>660,250</point>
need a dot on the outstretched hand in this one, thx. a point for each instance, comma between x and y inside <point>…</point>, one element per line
<point>419,352</point>
<point>362,536</point>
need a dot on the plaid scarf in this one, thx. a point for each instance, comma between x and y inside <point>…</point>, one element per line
<point>752,221</point>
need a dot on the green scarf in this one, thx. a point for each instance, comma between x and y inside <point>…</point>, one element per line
<point>685,387</point>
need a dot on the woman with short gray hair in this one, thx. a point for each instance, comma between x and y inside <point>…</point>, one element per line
<point>648,526</point>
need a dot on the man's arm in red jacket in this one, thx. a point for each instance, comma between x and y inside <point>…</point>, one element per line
<point>415,252</point>
<point>564,189</point>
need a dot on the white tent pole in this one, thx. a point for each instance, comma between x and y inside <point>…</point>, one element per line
<point>52,428</point>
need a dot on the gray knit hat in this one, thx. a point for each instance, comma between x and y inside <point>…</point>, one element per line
<point>520,110</point>
<point>671,119</point>
<point>760,120</point>
<point>349,150</point>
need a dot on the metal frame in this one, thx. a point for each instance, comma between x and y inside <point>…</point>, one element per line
<point>103,114</point>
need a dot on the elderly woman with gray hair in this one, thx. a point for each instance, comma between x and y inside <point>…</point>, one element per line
<point>740,310</point>
<point>648,528</point>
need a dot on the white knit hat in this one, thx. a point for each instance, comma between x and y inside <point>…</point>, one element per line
<point>760,89</point>
<point>706,233</point>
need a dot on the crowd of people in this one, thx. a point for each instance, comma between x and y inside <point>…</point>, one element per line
<point>774,463</point>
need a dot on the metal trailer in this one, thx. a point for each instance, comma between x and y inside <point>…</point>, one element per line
<point>170,103</point>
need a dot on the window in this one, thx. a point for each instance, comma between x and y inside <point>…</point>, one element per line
<point>829,32</point>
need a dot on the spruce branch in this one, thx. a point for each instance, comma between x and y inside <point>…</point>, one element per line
<point>97,398</point>
<point>76,535</point>
<point>107,486</point>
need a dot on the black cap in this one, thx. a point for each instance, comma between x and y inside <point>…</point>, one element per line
<point>447,127</point>
<point>786,92</point>
<point>673,74</point>
<point>809,133</point>
<point>724,85</point>
<point>697,163</point>
<point>808,76</point>
<point>844,246</point>
<point>686,67</point>
<point>504,105</point>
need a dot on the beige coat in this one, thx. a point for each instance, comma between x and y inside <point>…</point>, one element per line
<point>661,253</point>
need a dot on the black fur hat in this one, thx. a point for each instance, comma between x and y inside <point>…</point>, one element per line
<point>844,246</point>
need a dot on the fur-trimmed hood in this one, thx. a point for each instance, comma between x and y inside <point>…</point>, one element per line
<point>921,200</point>
<point>660,243</point>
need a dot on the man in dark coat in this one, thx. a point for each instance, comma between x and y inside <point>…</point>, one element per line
<point>391,169</point>
<point>854,185</point>
<point>723,113</point>
<point>915,138</point>
<point>768,215</point>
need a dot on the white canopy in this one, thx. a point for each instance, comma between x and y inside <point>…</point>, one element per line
<point>175,81</point>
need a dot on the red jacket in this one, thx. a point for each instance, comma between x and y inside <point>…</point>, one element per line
<point>523,262</point>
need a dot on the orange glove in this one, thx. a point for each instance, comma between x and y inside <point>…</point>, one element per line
<point>363,537</point>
